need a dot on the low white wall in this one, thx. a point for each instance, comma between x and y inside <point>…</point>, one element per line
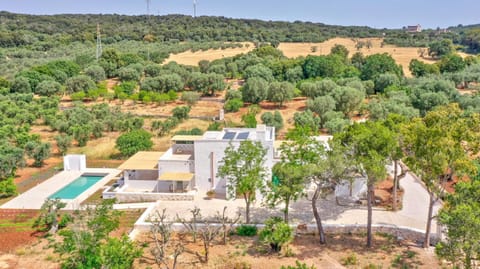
<point>142,184</point>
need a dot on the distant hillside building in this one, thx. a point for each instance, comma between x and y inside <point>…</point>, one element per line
<point>414,29</point>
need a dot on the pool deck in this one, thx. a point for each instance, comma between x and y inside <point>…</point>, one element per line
<point>35,197</point>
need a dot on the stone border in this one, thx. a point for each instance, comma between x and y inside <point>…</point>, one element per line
<point>143,197</point>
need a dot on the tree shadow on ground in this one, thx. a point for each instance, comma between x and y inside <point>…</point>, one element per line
<point>310,247</point>
<point>299,211</point>
<point>327,208</point>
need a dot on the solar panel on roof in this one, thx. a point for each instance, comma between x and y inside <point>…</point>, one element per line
<point>229,135</point>
<point>243,136</point>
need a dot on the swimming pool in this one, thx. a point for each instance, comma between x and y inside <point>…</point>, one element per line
<point>76,187</point>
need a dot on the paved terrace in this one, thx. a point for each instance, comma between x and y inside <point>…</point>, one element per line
<point>35,197</point>
<point>413,214</point>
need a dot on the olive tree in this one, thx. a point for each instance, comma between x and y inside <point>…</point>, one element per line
<point>255,90</point>
<point>79,83</point>
<point>279,92</point>
<point>48,88</point>
<point>95,72</point>
<point>63,142</point>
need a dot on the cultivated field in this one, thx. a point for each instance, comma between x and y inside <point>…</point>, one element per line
<point>341,251</point>
<point>192,58</point>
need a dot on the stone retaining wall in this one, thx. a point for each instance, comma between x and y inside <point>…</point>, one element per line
<point>141,197</point>
<point>400,233</point>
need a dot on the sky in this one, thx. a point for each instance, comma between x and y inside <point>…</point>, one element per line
<point>373,13</point>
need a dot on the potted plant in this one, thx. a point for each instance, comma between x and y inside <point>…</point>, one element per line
<point>210,194</point>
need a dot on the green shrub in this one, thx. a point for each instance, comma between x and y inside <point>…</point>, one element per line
<point>7,187</point>
<point>172,95</point>
<point>190,98</point>
<point>181,112</point>
<point>276,233</point>
<point>65,220</point>
<point>247,230</point>
<point>214,126</point>
<point>78,96</point>
<point>164,127</point>
<point>233,105</point>
<point>126,87</point>
<point>233,94</point>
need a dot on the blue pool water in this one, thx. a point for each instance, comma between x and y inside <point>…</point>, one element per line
<point>76,187</point>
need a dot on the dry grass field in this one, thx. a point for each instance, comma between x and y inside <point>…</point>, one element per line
<point>192,58</point>
<point>402,56</point>
<point>200,109</point>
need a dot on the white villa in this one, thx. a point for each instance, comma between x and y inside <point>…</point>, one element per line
<point>189,166</point>
<point>187,169</point>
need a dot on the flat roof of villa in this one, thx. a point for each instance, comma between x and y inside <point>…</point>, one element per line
<point>186,137</point>
<point>261,132</point>
<point>142,160</point>
<point>177,157</point>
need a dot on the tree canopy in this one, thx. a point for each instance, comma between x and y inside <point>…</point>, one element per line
<point>133,142</point>
<point>243,168</point>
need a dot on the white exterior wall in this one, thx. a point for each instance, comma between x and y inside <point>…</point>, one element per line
<point>164,186</point>
<point>142,184</point>
<point>175,166</point>
<point>205,150</point>
<point>74,162</point>
<point>183,165</point>
<point>134,178</point>
<point>131,175</point>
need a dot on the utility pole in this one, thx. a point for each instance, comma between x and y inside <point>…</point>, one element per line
<point>149,28</point>
<point>194,8</point>
<point>99,43</point>
<point>148,8</point>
